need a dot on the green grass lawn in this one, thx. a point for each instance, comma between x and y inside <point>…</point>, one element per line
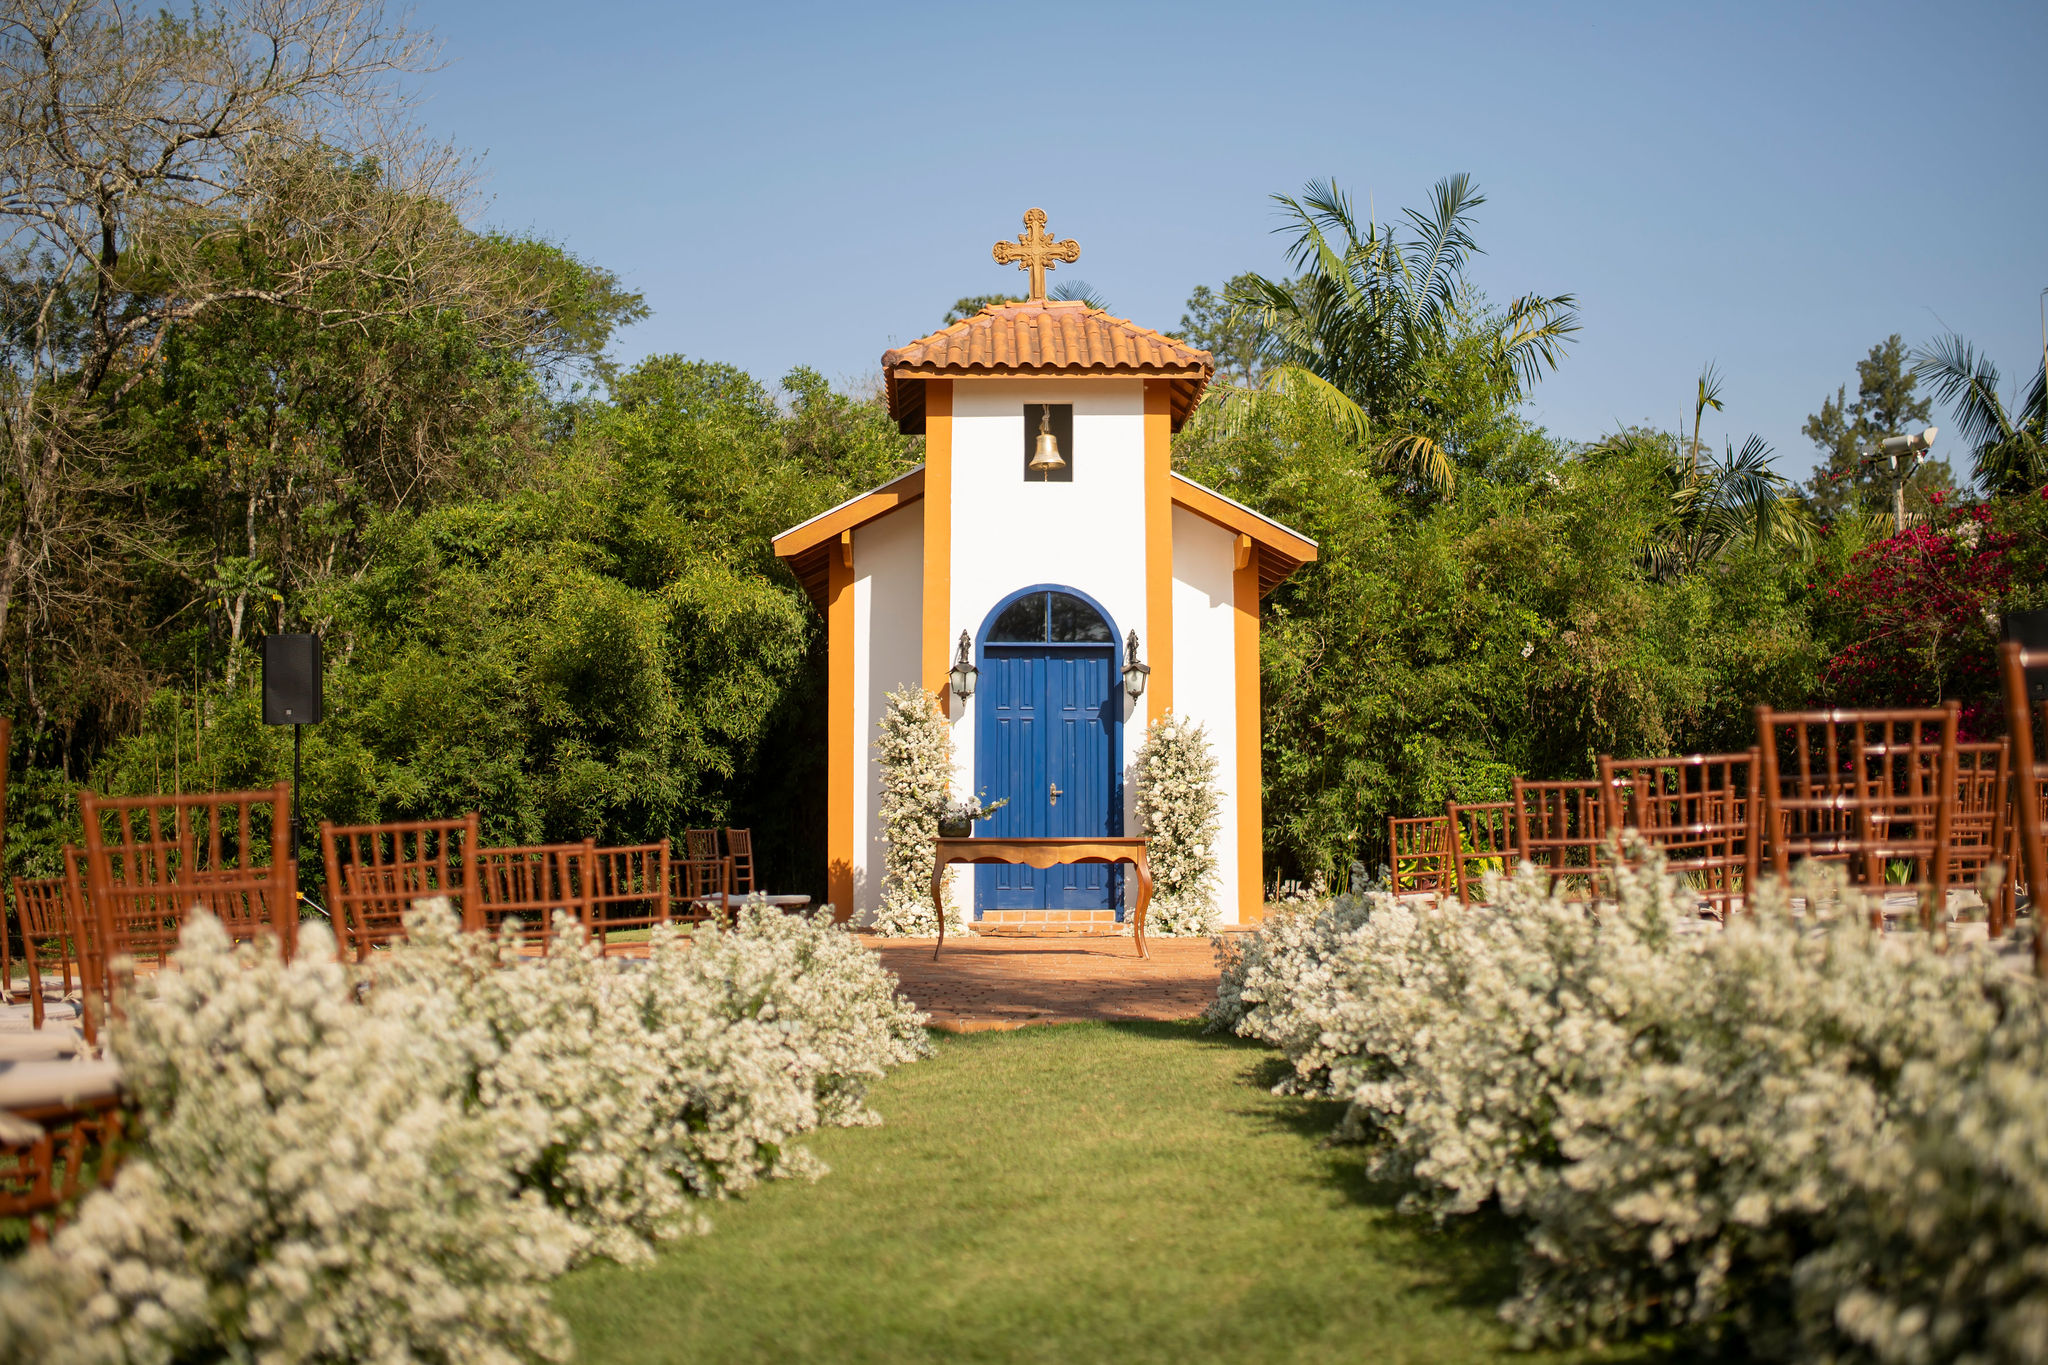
<point>1090,1192</point>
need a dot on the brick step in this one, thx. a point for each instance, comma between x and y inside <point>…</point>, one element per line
<point>1075,921</point>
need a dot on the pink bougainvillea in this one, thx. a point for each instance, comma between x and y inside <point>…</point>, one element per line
<point>1920,612</point>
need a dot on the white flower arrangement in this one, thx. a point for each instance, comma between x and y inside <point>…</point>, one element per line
<point>1822,1140</point>
<point>962,812</point>
<point>339,1167</point>
<point>915,755</point>
<point>1179,813</point>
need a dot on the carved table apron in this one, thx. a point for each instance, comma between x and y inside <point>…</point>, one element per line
<point>1043,853</point>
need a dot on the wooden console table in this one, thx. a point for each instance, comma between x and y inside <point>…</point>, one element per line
<point>1042,853</point>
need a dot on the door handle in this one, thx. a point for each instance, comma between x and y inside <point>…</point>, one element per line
<point>1055,793</point>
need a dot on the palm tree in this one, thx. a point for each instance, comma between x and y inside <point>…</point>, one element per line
<point>2009,453</point>
<point>1356,333</point>
<point>1714,502</point>
<point>1078,291</point>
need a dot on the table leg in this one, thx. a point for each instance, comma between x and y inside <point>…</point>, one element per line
<point>1144,902</point>
<point>939,905</point>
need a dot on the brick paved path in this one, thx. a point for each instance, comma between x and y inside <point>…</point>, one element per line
<point>992,982</point>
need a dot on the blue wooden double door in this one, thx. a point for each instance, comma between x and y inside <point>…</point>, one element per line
<point>1050,704</point>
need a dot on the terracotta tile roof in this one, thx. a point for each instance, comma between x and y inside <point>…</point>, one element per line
<point>1042,337</point>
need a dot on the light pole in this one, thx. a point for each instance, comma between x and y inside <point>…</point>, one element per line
<point>1901,455</point>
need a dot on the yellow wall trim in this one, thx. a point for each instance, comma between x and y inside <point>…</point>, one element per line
<point>842,737</point>
<point>936,656</point>
<point>1158,650</point>
<point>1251,814</point>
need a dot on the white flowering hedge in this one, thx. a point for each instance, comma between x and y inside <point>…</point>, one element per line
<point>1810,1140</point>
<point>914,753</point>
<point>340,1168</point>
<point>1179,813</point>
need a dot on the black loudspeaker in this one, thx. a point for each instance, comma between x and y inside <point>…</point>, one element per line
<point>291,679</point>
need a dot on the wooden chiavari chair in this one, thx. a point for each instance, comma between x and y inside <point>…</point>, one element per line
<point>2027,731</point>
<point>1865,789</point>
<point>702,844</point>
<point>530,882</point>
<point>1977,825</point>
<point>1419,854</point>
<point>2010,854</point>
<point>42,911</point>
<point>1560,827</point>
<point>1699,810</point>
<point>376,872</point>
<point>83,928</point>
<point>702,887</point>
<point>151,860</point>
<point>629,888</point>
<point>739,846</point>
<point>1481,832</point>
<point>51,1115</point>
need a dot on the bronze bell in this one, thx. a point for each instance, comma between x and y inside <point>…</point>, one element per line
<point>1046,457</point>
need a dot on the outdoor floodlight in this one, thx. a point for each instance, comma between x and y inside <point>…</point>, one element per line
<point>1916,444</point>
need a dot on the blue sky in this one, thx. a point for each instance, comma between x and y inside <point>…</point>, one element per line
<point>1770,187</point>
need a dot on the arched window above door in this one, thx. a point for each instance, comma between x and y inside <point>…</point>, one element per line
<point>1050,618</point>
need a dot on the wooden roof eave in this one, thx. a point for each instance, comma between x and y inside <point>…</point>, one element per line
<point>1281,550</point>
<point>808,546</point>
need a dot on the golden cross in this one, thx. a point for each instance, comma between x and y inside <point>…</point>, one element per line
<point>1035,251</point>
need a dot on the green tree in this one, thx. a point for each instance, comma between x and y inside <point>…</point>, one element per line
<point>608,648</point>
<point>1846,430</point>
<point>1078,291</point>
<point>1366,333</point>
<point>1714,503</point>
<point>965,308</point>
<point>1235,335</point>
<point>1438,647</point>
<point>2009,448</point>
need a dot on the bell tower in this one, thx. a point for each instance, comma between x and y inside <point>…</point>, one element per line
<point>1052,581</point>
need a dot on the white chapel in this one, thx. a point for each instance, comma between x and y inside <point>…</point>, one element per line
<point>1046,536</point>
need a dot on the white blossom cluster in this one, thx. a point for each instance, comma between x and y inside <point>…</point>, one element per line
<point>341,1167</point>
<point>1817,1141</point>
<point>1179,813</point>
<point>915,755</point>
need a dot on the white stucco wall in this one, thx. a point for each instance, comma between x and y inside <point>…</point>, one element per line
<point>1009,534</point>
<point>1205,670</point>
<point>888,597</point>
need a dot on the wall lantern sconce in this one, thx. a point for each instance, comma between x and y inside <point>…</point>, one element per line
<point>1134,672</point>
<point>964,672</point>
